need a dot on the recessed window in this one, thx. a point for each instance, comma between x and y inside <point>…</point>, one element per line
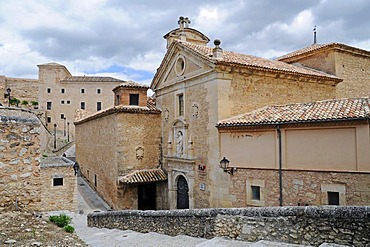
<point>62,90</point>
<point>256,192</point>
<point>62,102</point>
<point>83,105</point>
<point>61,116</point>
<point>98,90</point>
<point>181,104</point>
<point>96,181</point>
<point>82,90</point>
<point>333,198</point>
<point>134,99</point>
<point>98,106</point>
<point>57,181</point>
<point>68,102</point>
<point>48,119</point>
<point>48,105</point>
<point>49,90</point>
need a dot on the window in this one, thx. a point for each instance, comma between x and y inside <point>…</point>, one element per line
<point>256,193</point>
<point>255,190</point>
<point>134,99</point>
<point>83,105</point>
<point>49,90</point>
<point>62,102</point>
<point>98,106</point>
<point>95,181</point>
<point>333,198</point>
<point>98,91</point>
<point>82,90</point>
<point>62,116</point>
<point>62,90</point>
<point>57,181</point>
<point>49,120</point>
<point>181,104</point>
<point>68,102</point>
<point>48,105</point>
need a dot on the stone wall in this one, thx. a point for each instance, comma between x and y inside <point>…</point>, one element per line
<point>19,158</point>
<point>58,197</point>
<point>298,225</point>
<point>22,89</point>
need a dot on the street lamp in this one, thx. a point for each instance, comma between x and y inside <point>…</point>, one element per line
<point>224,164</point>
<point>8,90</point>
<point>68,131</point>
<point>64,118</point>
<point>55,136</point>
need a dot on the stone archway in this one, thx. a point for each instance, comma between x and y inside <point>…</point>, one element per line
<point>182,193</point>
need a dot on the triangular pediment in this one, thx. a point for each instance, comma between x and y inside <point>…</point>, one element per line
<point>178,65</point>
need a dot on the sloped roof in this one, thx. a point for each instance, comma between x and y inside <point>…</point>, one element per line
<point>144,176</point>
<point>318,111</point>
<point>233,58</point>
<point>316,47</point>
<point>131,84</point>
<point>150,108</point>
<point>243,60</point>
<point>90,79</point>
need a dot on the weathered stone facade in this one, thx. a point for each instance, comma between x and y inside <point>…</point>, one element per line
<point>127,139</point>
<point>23,181</point>
<point>22,89</point>
<point>58,185</point>
<point>296,225</point>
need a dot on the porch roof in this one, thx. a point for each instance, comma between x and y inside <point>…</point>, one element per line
<point>144,176</point>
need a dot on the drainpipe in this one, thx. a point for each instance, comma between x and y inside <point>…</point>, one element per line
<point>280,167</point>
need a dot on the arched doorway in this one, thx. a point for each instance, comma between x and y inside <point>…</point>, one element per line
<point>182,193</point>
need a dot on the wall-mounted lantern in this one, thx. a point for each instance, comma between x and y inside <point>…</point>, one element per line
<point>224,164</point>
<point>7,95</point>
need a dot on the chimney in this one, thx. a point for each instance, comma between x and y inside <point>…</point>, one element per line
<point>217,51</point>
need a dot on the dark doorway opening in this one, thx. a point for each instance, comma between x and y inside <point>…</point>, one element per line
<point>147,195</point>
<point>182,193</point>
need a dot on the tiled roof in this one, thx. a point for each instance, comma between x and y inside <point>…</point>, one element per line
<point>238,59</point>
<point>131,84</point>
<point>319,111</point>
<point>315,47</point>
<point>150,108</point>
<point>144,176</point>
<point>90,79</point>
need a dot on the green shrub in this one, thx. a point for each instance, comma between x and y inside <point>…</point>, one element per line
<point>24,102</point>
<point>62,220</point>
<point>69,228</point>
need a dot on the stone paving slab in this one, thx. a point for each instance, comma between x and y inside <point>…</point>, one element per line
<point>224,242</point>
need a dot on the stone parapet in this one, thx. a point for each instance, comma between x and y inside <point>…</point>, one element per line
<point>298,225</point>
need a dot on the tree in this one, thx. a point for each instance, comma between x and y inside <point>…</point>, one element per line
<point>14,101</point>
<point>24,103</point>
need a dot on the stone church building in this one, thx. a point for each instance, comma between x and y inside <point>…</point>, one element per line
<point>197,87</point>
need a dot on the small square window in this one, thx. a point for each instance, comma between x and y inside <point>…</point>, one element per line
<point>98,90</point>
<point>83,105</point>
<point>57,181</point>
<point>62,102</point>
<point>82,90</point>
<point>256,193</point>
<point>62,90</point>
<point>61,116</point>
<point>49,90</point>
<point>333,198</point>
<point>68,102</point>
<point>134,99</point>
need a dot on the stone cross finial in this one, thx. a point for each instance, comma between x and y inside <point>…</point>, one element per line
<point>184,22</point>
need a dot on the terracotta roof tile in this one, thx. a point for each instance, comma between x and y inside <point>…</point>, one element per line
<point>238,59</point>
<point>315,47</point>
<point>90,79</point>
<point>319,111</point>
<point>131,84</point>
<point>144,176</point>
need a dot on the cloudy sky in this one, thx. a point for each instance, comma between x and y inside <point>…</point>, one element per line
<point>124,39</point>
